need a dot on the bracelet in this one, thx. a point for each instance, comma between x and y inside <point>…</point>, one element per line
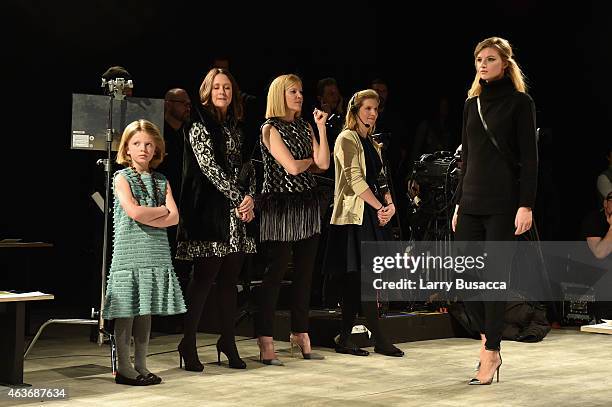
<point>381,206</point>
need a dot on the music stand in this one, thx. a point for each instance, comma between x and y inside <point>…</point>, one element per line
<point>90,121</point>
<point>97,124</point>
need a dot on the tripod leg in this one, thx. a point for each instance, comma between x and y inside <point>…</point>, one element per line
<point>113,346</point>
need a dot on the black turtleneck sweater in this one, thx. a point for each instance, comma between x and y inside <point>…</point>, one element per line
<point>489,185</point>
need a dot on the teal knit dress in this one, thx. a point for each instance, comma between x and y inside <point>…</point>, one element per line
<point>141,280</point>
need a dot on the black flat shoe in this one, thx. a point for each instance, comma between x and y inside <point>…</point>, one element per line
<point>346,346</point>
<point>351,350</point>
<point>389,350</point>
<point>155,379</point>
<point>140,380</point>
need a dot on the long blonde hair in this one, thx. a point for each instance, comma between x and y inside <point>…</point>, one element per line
<point>350,121</point>
<point>513,71</point>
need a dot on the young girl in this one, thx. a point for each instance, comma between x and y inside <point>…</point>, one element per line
<point>141,281</point>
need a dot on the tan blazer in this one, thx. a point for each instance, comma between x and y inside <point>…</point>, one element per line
<point>349,162</point>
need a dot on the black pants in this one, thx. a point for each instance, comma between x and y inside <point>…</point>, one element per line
<point>205,269</point>
<point>279,255</point>
<point>489,315</point>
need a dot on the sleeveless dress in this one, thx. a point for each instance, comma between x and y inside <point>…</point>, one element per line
<point>289,205</point>
<point>141,280</point>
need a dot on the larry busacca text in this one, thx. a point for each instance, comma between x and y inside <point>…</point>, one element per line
<point>425,264</point>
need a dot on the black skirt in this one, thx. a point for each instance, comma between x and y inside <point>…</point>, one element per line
<point>343,243</point>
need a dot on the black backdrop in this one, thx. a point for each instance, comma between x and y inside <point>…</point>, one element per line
<point>54,49</point>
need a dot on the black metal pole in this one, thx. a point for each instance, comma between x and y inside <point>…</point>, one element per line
<point>107,195</point>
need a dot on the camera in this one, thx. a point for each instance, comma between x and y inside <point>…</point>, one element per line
<point>433,182</point>
<point>436,170</point>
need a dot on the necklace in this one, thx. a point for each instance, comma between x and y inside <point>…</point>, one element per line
<point>156,192</point>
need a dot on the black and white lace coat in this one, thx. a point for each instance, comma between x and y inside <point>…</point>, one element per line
<point>227,183</point>
<point>289,204</point>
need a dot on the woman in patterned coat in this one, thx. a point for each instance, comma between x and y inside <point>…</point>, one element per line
<point>216,203</point>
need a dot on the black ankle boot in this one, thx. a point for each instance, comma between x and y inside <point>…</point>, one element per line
<point>189,354</point>
<point>228,347</point>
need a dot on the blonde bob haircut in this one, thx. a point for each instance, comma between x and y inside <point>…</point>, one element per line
<point>513,71</point>
<point>276,105</point>
<point>146,127</point>
<point>351,121</point>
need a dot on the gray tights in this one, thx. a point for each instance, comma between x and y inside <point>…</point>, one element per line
<point>140,328</point>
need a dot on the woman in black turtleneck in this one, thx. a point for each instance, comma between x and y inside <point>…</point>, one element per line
<point>498,185</point>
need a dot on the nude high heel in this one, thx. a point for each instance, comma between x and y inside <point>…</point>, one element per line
<point>294,341</point>
<point>263,343</point>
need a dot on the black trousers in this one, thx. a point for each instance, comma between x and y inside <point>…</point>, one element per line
<point>489,315</point>
<point>226,270</point>
<point>279,255</point>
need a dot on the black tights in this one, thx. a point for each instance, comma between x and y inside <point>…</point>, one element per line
<point>351,300</point>
<point>205,270</point>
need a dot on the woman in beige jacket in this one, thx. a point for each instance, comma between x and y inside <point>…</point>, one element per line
<point>362,208</point>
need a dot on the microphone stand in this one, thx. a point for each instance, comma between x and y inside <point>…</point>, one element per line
<point>116,88</point>
<point>107,165</point>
